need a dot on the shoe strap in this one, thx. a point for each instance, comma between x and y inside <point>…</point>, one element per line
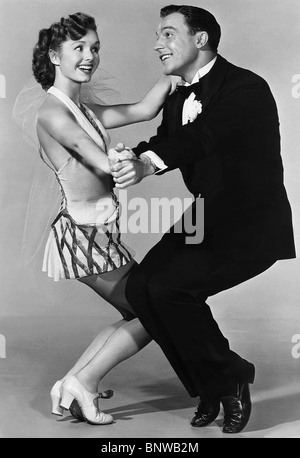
<point>107,394</point>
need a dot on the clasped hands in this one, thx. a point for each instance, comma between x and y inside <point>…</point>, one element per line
<point>126,168</point>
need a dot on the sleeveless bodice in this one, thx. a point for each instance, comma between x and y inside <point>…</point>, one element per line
<point>87,196</point>
<point>85,238</point>
<point>87,193</point>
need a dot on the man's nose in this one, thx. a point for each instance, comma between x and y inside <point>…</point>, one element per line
<point>159,45</point>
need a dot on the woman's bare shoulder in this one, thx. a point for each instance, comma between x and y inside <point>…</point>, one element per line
<point>52,111</point>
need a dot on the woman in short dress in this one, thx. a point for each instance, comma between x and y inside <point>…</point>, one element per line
<point>84,242</point>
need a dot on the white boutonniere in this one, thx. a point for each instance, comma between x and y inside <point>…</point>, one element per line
<point>194,107</point>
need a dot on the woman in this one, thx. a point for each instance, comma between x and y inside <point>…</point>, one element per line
<point>84,242</point>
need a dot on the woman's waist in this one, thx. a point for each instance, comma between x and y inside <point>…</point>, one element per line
<point>83,185</point>
<point>98,210</point>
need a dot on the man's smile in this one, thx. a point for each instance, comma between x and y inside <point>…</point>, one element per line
<point>164,57</point>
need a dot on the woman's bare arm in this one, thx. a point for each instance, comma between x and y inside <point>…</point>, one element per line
<point>56,120</point>
<point>112,116</point>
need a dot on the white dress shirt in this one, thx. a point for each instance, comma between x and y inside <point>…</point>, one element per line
<point>187,103</point>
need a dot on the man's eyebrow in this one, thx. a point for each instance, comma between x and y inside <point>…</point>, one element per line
<point>167,27</point>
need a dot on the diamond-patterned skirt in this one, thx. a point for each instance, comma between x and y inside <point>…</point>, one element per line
<point>77,250</point>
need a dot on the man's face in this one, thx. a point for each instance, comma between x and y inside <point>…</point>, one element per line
<point>177,48</point>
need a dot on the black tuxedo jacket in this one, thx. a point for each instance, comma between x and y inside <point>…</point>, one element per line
<point>230,154</point>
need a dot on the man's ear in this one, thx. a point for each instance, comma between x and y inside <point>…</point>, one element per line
<point>201,39</point>
<point>53,56</point>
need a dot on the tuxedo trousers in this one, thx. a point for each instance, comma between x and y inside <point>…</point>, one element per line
<point>168,291</point>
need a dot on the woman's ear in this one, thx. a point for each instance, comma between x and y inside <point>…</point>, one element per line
<point>53,56</point>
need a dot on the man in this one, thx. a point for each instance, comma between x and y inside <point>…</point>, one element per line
<point>223,134</point>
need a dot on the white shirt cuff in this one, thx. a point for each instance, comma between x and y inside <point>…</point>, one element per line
<point>156,159</point>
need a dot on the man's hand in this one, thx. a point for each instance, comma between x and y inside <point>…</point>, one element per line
<point>118,154</point>
<point>127,172</point>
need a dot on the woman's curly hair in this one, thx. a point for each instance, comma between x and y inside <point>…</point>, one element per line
<point>74,27</point>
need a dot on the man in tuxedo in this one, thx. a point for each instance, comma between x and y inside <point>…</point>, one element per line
<point>221,129</point>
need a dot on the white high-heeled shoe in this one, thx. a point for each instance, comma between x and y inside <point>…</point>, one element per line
<point>55,394</point>
<point>73,389</point>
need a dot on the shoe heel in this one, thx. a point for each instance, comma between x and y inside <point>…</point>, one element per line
<point>55,398</point>
<point>251,373</point>
<point>56,409</point>
<point>66,399</point>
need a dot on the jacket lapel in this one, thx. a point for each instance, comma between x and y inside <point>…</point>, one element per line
<point>175,104</point>
<point>212,82</point>
<point>204,90</point>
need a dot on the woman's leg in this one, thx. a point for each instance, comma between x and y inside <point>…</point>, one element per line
<point>111,287</point>
<point>125,342</point>
<point>129,336</point>
<point>89,353</point>
<point>93,348</point>
<point>127,339</point>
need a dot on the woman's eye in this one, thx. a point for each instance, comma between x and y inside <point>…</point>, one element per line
<point>78,48</point>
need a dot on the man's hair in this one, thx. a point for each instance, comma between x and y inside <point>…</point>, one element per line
<point>197,20</point>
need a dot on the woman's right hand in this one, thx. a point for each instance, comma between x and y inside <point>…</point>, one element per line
<point>120,153</point>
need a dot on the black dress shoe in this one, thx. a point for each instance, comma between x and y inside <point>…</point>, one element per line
<point>237,409</point>
<point>205,413</point>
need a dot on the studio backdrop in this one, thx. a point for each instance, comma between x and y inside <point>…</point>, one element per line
<point>261,35</point>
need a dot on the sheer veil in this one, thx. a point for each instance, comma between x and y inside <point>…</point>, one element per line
<point>44,197</point>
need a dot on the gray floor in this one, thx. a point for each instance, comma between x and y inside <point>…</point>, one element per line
<point>149,401</point>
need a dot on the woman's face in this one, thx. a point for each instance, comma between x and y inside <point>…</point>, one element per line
<point>78,60</point>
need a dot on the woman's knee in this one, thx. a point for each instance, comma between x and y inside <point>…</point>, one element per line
<point>113,292</point>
